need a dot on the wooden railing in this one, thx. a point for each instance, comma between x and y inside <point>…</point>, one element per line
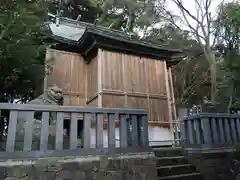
<point>133,130</point>
<point>209,130</point>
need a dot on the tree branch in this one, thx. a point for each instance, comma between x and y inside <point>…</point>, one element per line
<point>203,14</point>
<point>3,31</point>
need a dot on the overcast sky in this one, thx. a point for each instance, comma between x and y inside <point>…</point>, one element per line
<point>190,5</point>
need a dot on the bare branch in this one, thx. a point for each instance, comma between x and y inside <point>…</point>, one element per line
<point>170,18</point>
<point>180,5</point>
<point>194,31</point>
<point>209,20</point>
<point>202,31</point>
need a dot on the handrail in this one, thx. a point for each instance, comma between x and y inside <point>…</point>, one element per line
<point>133,132</point>
<point>210,130</point>
<point>55,108</point>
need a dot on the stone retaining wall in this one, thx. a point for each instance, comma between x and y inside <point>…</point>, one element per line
<point>216,164</point>
<point>141,166</point>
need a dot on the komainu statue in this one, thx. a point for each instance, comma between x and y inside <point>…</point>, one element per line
<point>51,96</point>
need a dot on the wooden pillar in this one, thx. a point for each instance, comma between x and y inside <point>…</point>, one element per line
<point>172,94</point>
<point>46,75</point>
<point>124,82</point>
<point>99,71</point>
<point>170,120</point>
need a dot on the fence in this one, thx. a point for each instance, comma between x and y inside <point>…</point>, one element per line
<point>207,130</point>
<point>133,132</point>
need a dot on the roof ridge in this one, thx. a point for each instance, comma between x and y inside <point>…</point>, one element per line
<point>91,24</point>
<point>93,27</point>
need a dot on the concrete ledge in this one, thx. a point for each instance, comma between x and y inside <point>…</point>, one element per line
<point>209,150</point>
<point>140,166</point>
<point>35,155</point>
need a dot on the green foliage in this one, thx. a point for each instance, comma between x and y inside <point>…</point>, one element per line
<point>228,23</point>
<point>87,9</point>
<point>22,47</point>
<point>127,15</point>
<point>228,37</point>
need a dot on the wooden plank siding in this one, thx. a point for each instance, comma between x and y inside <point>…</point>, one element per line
<point>114,80</point>
<point>136,82</point>
<point>92,82</point>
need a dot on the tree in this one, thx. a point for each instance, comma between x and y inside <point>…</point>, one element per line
<point>227,34</point>
<point>202,31</point>
<point>86,10</point>
<point>128,15</point>
<point>22,48</point>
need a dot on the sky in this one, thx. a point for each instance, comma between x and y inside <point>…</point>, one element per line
<point>190,5</point>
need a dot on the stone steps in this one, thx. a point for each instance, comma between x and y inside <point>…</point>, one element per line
<point>171,160</point>
<point>175,169</point>
<point>172,165</point>
<point>189,176</point>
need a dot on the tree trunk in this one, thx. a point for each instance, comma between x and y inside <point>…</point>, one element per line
<point>210,55</point>
<point>230,102</point>
<point>213,74</point>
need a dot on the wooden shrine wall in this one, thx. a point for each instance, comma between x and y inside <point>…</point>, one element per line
<point>137,82</point>
<point>114,80</point>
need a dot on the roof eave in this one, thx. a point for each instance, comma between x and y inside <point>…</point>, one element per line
<point>81,32</point>
<point>110,33</point>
